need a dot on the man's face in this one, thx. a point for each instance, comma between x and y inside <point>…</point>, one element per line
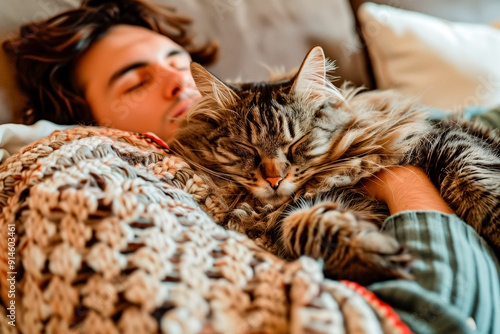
<point>137,80</point>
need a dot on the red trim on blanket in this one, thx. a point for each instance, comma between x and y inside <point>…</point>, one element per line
<point>155,140</point>
<point>373,300</point>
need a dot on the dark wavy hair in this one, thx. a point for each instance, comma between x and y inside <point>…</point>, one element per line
<point>46,52</point>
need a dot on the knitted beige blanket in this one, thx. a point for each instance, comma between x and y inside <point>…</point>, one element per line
<point>103,231</point>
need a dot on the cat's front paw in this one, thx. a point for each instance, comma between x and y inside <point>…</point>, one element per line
<point>371,258</point>
<point>351,248</point>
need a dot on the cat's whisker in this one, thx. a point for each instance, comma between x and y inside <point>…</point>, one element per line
<point>224,109</point>
<point>362,156</point>
<point>218,174</point>
<point>336,163</point>
<point>386,168</point>
<point>333,168</point>
<point>376,177</point>
<point>383,182</point>
<point>247,112</point>
<point>378,147</point>
<point>377,165</point>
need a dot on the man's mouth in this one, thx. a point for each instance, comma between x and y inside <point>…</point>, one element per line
<point>180,109</point>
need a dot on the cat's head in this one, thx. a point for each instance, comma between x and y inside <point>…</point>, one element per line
<point>272,137</point>
<point>264,136</point>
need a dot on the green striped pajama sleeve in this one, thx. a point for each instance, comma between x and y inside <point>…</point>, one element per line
<point>490,118</point>
<point>457,284</point>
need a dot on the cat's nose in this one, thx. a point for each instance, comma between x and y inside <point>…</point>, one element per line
<point>274,181</point>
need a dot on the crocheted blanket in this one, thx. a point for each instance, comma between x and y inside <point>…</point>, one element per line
<point>102,232</point>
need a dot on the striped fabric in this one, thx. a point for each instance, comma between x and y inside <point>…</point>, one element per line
<point>457,282</point>
<point>491,118</point>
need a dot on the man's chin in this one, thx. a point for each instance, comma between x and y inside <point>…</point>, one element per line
<point>169,131</point>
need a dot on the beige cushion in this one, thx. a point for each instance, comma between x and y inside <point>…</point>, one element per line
<point>472,11</point>
<point>259,33</point>
<point>448,65</point>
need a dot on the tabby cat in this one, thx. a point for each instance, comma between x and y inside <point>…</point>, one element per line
<point>287,158</point>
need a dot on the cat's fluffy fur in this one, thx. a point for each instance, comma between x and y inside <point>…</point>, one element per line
<point>287,158</point>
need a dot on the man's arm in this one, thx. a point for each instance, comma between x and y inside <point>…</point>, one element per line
<point>406,188</point>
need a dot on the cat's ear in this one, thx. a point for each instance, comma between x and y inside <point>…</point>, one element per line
<point>311,81</point>
<point>211,86</point>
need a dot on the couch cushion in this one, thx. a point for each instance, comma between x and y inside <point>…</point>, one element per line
<point>277,33</point>
<point>448,65</point>
<point>480,11</point>
<point>477,11</point>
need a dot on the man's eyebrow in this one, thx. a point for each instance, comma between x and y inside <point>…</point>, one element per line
<point>133,66</point>
<point>176,51</point>
<point>124,70</point>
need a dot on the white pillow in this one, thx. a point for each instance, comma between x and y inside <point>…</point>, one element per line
<point>447,65</point>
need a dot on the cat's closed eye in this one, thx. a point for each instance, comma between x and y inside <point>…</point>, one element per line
<point>293,148</point>
<point>247,150</point>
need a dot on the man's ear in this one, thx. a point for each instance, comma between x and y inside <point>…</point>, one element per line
<point>211,86</point>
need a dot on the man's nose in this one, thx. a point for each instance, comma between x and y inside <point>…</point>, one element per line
<point>172,81</point>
